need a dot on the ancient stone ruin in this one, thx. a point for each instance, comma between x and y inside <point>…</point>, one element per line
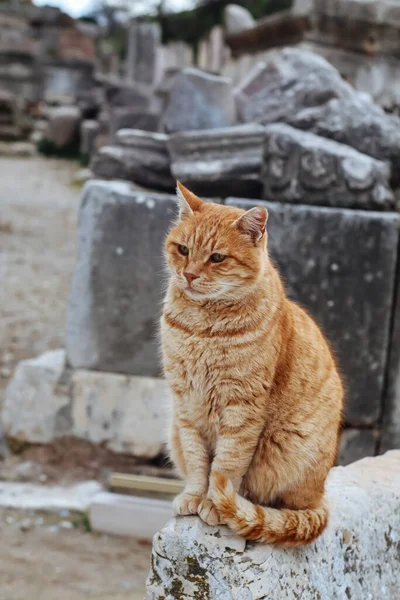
<point>288,131</point>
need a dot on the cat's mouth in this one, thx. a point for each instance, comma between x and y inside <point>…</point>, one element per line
<point>192,292</point>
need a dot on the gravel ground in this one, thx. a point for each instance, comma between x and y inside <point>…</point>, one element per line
<point>38,560</point>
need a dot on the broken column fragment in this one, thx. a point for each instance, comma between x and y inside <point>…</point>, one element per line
<point>199,100</point>
<point>219,162</point>
<point>304,168</point>
<point>141,157</point>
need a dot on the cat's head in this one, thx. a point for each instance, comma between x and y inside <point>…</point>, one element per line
<point>215,251</point>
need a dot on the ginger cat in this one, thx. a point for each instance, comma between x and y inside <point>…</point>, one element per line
<point>257,398</point>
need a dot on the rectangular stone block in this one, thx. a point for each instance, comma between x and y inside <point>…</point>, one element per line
<point>391,408</point>
<point>219,161</point>
<point>123,412</point>
<point>128,118</point>
<point>46,400</point>
<point>340,264</point>
<point>117,287</point>
<point>139,156</point>
<point>199,100</point>
<point>143,42</point>
<point>304,168</point>
<point>132,516</point>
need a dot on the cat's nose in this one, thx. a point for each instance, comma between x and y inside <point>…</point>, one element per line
<point>190,277</point>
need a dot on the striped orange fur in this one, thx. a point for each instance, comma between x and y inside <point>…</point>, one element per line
<point>256,396</point>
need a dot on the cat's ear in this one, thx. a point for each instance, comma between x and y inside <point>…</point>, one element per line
<point>253,222</point>
<point>188,202</point>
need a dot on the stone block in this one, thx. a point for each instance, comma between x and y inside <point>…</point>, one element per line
<point>356,444</point>
<point>34,404</point>
<point>127,95</point>
<point>391,408</point>
<point>117,287</point>
<point>143,42</point>
<point>356,557</point>
<point>367,26</point>
<point>148,161</point>
<point>379,76</point>
<point>141,156</point>
<point>63,125</point>
<point>138,517</point>
<point>90,130</point>
<point>122,412</point>
<point>199,100</point>
<point>46,400</point>
<point>219,161</point>
<point>304,168</point>
<point>127,118</point>
<point>341,264</point>
<point>110,162</point>
<point>358,123</point>
<point>288,81</point>
<point>237,18</point>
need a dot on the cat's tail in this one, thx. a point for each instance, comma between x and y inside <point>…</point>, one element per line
<point>263,524</point>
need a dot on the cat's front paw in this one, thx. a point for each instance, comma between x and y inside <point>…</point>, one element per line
<point>186,504</point>
<point>208,513</point>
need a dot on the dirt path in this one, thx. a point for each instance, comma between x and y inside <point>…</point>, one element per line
<point>38,214</point>
<point>45,562</point>
<point>38,211</point>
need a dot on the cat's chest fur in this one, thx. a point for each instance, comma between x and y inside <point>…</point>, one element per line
<point>197,369</point>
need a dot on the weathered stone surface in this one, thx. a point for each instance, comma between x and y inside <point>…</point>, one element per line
<point>237,18</point>
<point>63,125</point>
<point>141,157</point>
<point>391,409</point>
<point>358,123</point>
<point>340,264</point>
<point>356,444</point>
<point>356,557</point>
<point>304,168</point>
<point>33,403</point>
<point>288,81</point>
<point>127,95</point>
<point>127,118</point>
<point>148,161</point>
<point>45,401</point>
<point>199,100</point>
<point>115,298</point>
<point>110,162</point>
<point>143,40</point>
<point>31,496</point>
<point>219,161</point>
<point>379,76</point>
<point>90,129</point>
<point>367,26</point>
<point>122,412</point>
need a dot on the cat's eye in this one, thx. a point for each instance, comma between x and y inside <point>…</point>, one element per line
<point>184,250</point>
<point>217,258</point>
